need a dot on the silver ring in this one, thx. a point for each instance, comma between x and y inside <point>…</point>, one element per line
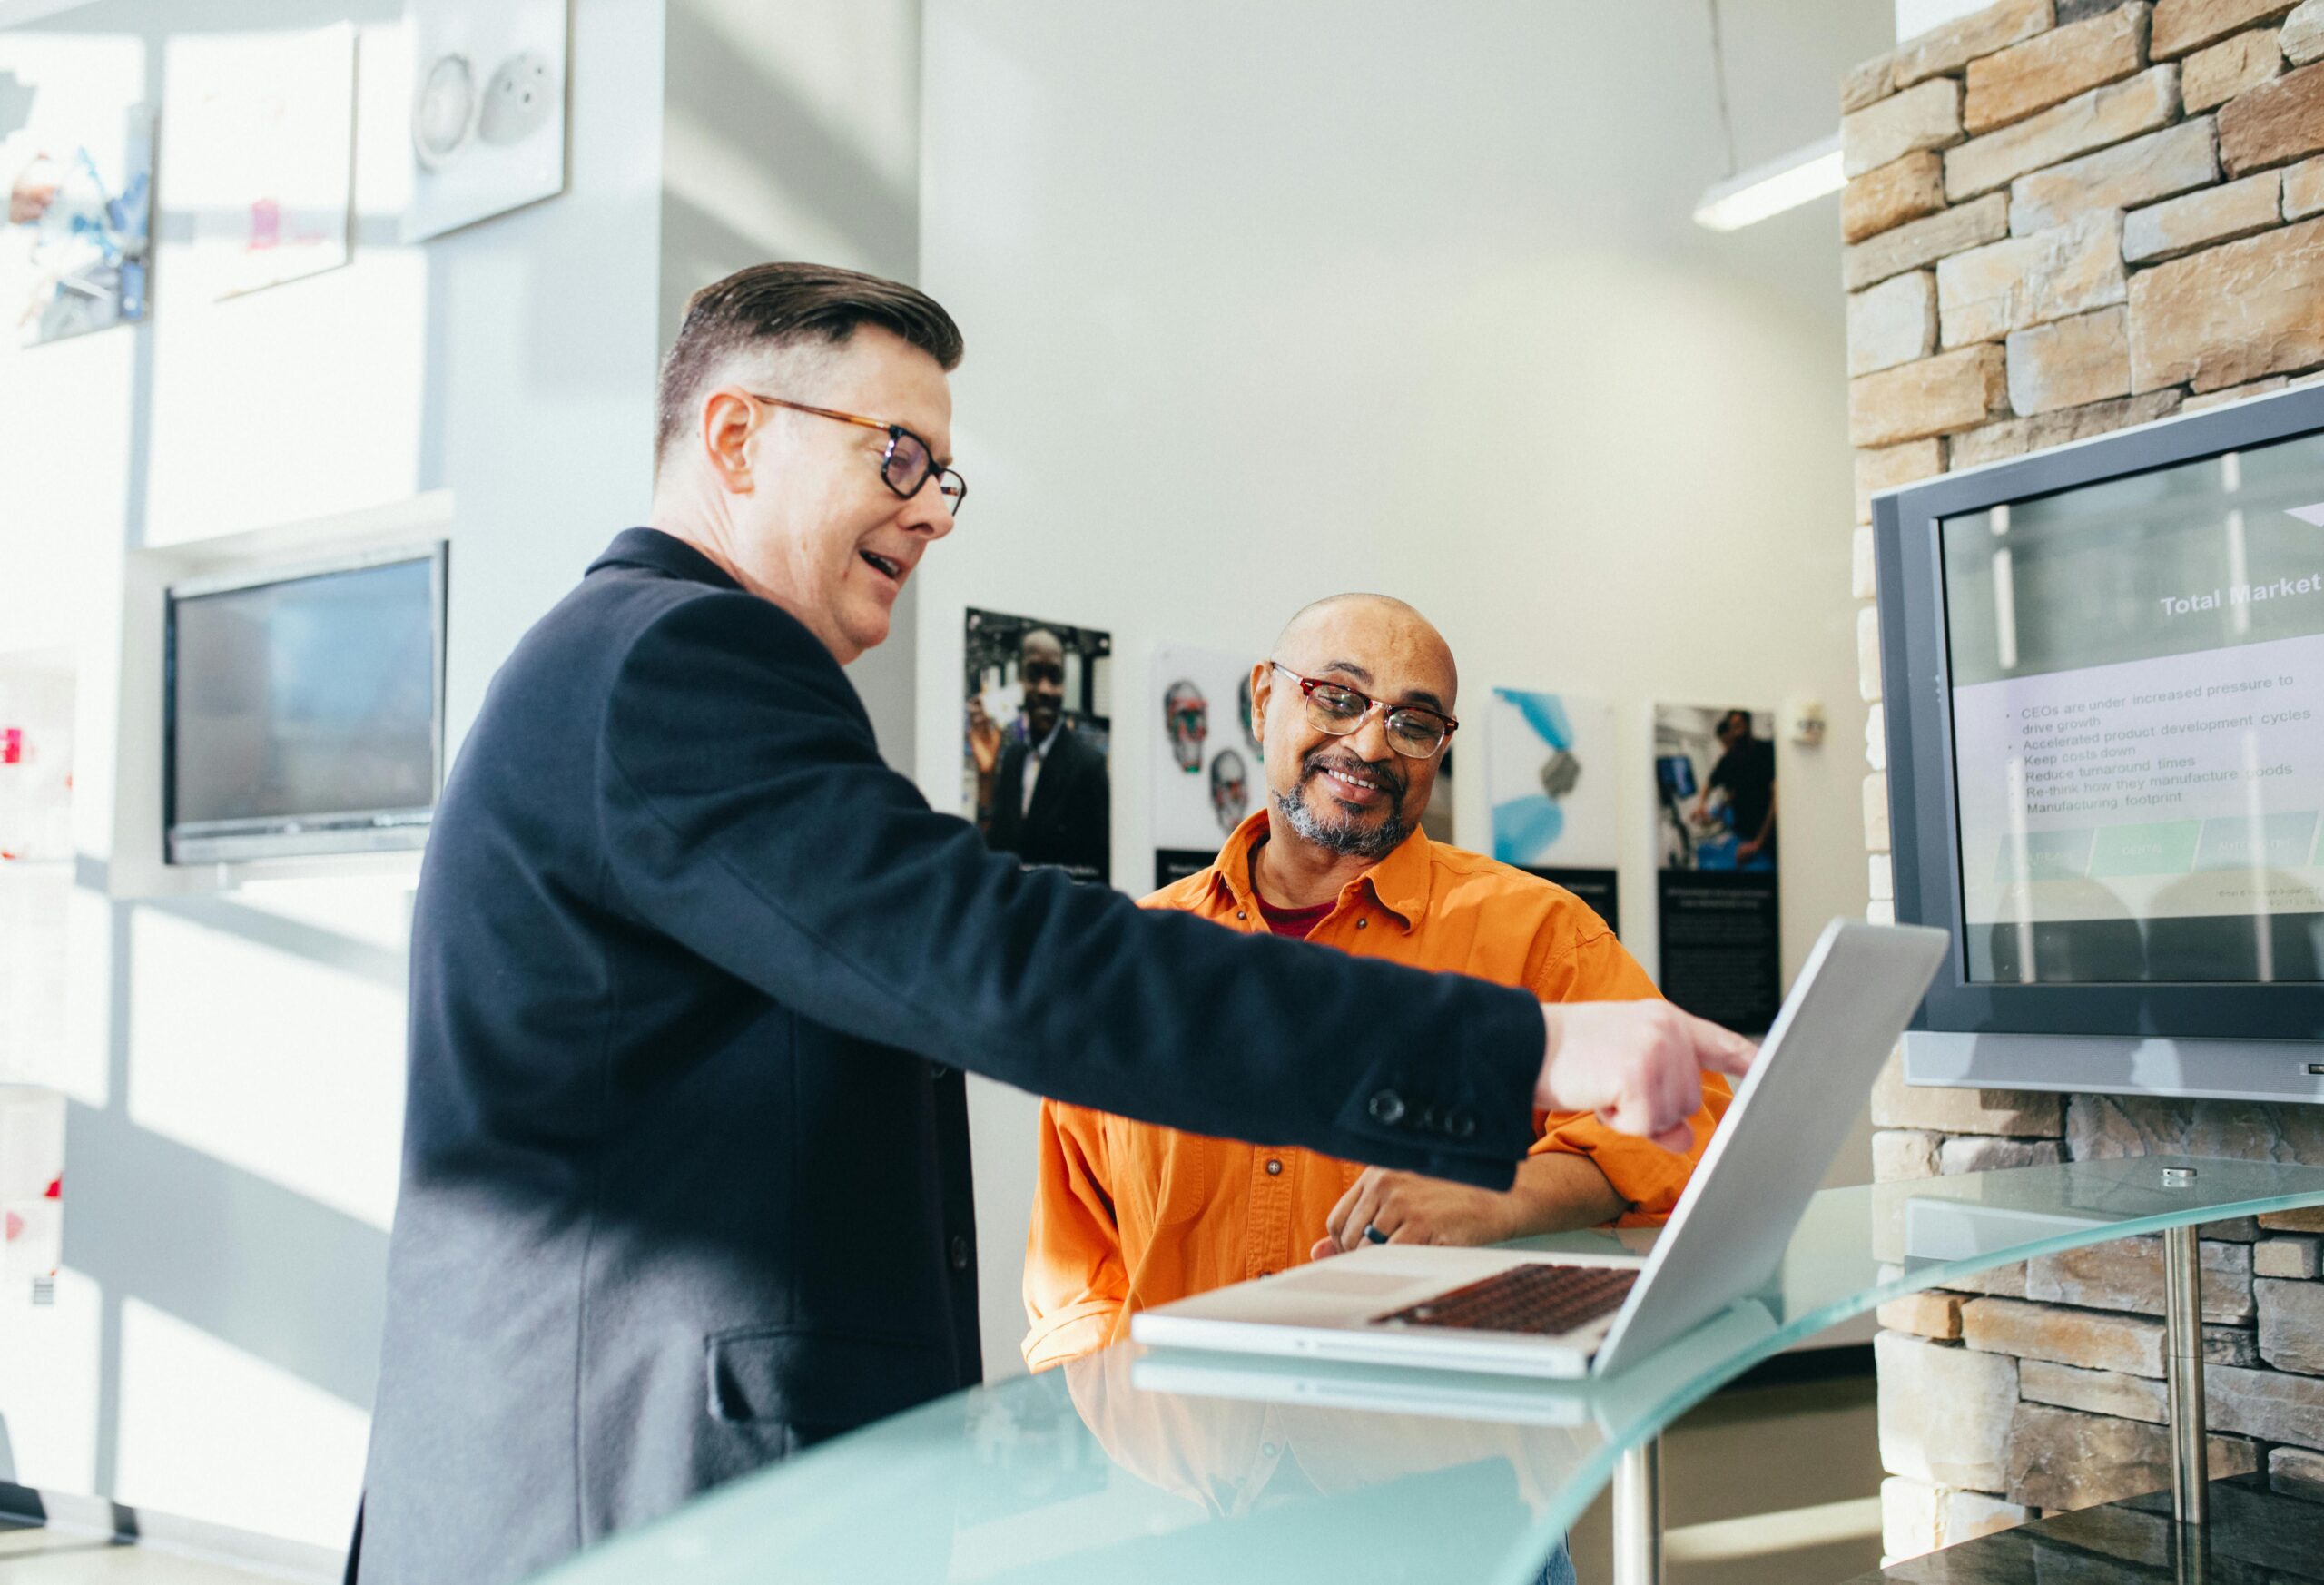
<point>1373,1234</point>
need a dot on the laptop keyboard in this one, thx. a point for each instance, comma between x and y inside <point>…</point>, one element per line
<point>1546,1300</point>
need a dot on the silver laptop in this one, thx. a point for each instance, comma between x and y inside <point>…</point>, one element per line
<point>1512,1312</point>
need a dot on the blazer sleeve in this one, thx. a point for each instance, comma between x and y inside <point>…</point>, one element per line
<point>745,813</point>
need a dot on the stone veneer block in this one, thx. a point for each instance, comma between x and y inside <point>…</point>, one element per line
<point>2001,1282</point>
<point>2292,1325</point>
<point>2061,1459</point>
<point>1867,82</point>
<point>1880,877</point>
<point>2086,359</point>
<point>1904,188</point>
<point>2062,1386</point>
<point>1945,1412</point>
<point>1892,322</point>
<point>1864,573</point>
<point>1928,1314</point>
<point>2234,393</point>
<point>2234,1230</point>
<point>1957,44</point>
<point>1933,396</point>
<point>1976,1153</point>
<point>1905,1156</point>
<point>1926,117</point>
<point>2209,78</point>
<point>2180,25</point>
<point>1867,684</point>
<point>2112,1126</point>
<point>1891,467</point>
<point>1916,244</point>
<point>2294,1257</point>
<point>2231,1345</point>
<point>2273,1405</point>
<point>1898,1104</point>
<point>2053,67</point>
<point>2216,214</point>
<point>2304,189</point>
<point>2302,38</point>
<point>2015,437</point>
<point>2126,1274</point>
<point>2311,1220</point>
<point>2174,159</point>
<point>2086,121</point>
<point>2229,314</point>
<point>1985,293</point>
<point>1876,738</point>
<point>2089,1338</point>
<point>1880,913</point>
<point>2275,122</point>
<point>1916,1518</point>
<point>2297,1473</point>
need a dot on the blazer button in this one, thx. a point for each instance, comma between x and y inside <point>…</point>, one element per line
<point>959,1253</point>
<point>938,1070</point>
<point>1460,1123</point>
<point>1388,1107</point>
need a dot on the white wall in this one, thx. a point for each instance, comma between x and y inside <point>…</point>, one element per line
<point>1263,303</point>
<point>236,1063</point>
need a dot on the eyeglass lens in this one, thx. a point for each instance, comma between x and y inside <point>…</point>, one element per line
<point>909,466</point>
<point>1413,733</point>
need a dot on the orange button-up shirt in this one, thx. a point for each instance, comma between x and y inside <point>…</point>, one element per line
<point>1128,1215</point>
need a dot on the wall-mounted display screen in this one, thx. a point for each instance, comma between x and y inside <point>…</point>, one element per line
<point>2136,674</point>
<point>303,712</point>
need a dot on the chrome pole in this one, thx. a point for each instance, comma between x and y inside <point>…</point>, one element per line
<point>1638,1515</point>
<point>2183,1335</point>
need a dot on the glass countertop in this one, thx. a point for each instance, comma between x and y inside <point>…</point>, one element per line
<point>1141,1464</point>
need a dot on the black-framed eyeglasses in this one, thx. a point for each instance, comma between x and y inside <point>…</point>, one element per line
<point>907,464</point>
<point>1414,730</point>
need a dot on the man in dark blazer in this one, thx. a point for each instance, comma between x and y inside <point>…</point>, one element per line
<point>695,974</point>
<point>1065,819</point>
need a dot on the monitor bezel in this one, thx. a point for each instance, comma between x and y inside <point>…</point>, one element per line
<point>1916,698</point>
<point>336,832</point>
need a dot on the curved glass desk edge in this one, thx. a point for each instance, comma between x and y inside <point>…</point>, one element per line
<point>1973,1223</point>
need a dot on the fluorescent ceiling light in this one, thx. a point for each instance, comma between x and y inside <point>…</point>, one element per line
<point>1781,183</point>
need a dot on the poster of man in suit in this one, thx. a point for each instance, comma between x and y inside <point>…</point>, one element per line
<point>1035,733</point>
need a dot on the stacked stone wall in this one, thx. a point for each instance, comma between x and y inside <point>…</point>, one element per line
<point>2065,216</point>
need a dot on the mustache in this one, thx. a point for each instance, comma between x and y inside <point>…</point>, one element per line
<point>1383,771</point>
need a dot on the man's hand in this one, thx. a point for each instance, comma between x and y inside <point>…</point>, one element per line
<point>984,738</point>
<point>1638,1065</point>
<point>1411,1209</point>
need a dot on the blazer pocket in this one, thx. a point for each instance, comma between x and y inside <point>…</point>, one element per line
<point>819,1381</point>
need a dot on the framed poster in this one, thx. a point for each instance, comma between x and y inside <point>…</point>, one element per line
<point>1549,774</point>
<point>77,152</point>
<point>488,110</point>
<point>262,153</point>
<point>1035,739</point>
<point>1208,772</point>
<point>1715,818</point>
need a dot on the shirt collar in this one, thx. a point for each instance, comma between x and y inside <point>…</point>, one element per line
<point>1041,751</point>
<point>1399,883</point>
<point>664,553</point>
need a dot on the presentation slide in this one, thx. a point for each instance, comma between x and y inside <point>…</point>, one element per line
<point>2138,729</point>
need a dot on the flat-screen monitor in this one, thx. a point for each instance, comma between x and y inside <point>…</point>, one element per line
<point>303,710</point>
<point>2104,684</point>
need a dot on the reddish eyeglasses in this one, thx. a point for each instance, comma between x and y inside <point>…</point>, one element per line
<point>1414,730</point>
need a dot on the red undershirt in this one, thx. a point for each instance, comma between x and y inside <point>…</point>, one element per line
<point>1295,922</point>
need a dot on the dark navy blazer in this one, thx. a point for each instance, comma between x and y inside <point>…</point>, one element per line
<point>686,1177</point>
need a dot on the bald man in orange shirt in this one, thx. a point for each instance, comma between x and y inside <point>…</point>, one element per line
<point>1354,710</point>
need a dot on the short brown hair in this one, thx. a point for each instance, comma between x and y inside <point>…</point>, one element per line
<point>773,306</point>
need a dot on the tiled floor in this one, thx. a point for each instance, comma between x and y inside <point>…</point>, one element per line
<point>1760,1486</point>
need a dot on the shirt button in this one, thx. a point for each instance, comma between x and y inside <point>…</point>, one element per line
<point>1388,1107</point>
<point>1275,1168</point>
<point>1240,914</point>
<point>1361,922</point>
<point>959,1253</point>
